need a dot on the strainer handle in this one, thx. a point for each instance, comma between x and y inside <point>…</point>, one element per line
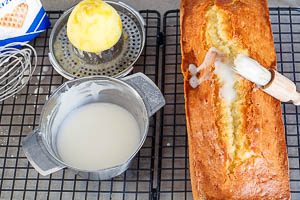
<point>38,156</point>
<point>134,11</point>
<point>152,96</point>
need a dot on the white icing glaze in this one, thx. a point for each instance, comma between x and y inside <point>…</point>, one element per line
<point>75,97</point>
<point>193,69</point>
<point>227,77</point>
<point>251,70</point>
<point>194,81</point>
<point>209,59</point>
<point>97,136</point>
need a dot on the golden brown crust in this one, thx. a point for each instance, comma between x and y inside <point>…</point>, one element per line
<point>264,175</point>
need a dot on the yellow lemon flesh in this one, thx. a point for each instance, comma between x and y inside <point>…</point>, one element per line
<point>94,26</point>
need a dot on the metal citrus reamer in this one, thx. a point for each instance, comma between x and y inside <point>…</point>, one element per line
<point>116,62</point>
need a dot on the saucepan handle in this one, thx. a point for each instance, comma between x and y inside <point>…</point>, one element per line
<point>152,96</point>
<point>38,156</point>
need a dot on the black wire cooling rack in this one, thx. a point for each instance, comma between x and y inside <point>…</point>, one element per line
<point>174,181</point>
<point>20,115</point>
<point>144,180</point>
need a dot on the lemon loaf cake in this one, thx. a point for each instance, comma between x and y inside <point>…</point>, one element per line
<point>237,146</point>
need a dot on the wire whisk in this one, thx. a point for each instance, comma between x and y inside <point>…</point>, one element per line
<point>16,68</point>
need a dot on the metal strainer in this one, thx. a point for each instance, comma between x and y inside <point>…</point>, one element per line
<point>115,62</point>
